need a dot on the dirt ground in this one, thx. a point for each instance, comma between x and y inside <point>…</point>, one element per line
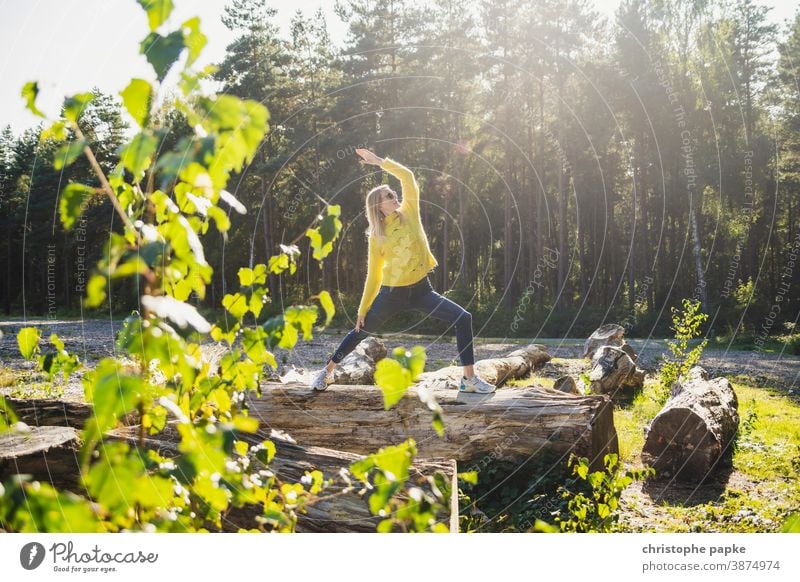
<point>94,339</point>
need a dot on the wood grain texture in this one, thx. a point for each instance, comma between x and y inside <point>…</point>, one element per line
<point>511,424</point>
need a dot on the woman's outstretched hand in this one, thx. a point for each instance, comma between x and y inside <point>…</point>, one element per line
<point>368,157</point>
<point>359,322</point>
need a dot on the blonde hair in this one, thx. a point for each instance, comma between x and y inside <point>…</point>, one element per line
<point>375,217</point>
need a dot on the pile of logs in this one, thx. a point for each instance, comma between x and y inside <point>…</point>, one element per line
<point>339,425</point>
<point>695,429</point>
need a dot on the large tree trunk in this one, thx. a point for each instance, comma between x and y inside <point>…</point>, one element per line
<point>694,429</point>
<point>335,511</point>
<point>49,412</point>
<point>48,453</point>
<point>511,424</point>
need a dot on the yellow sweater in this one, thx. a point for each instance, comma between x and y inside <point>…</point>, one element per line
<point>404,257</point>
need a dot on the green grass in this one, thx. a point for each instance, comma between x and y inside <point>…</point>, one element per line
<point>763,488</point>
<point>7,377</point>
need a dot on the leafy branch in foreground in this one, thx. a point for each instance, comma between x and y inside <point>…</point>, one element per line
<point>166,201</point>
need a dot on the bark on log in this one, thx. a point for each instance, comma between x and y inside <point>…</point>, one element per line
<point>517,364</point>
<point>694,429</point>
<point>335,511</point>
<point>48,453</point>
<point>609,334</point>
<point>614,373</point>
<point>359,365</point>
<point>49,412</point>
<point>625,347</point>
<point>513,424</point>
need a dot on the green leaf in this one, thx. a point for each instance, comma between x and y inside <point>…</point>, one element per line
<point>29,92</point>
<point>247,424</point>
<point>236,305</point>
<point>266,453</point>
<point>74,106</point>
<point>56,131</point>
<point>413,360</point>
<point>253,342</point>
<point>28,341</point>
<point>162,51</point>
<point>220,217</point>
<point>157,11</point>
<point>137,155</point>
<point>393,380</point>
<point>68,153</point>
<point>246,277</point>
<point>112,394</point>
<point>327,304</point>
<point>470,477</point>
<point>303,316</point>
<point>73,202</point>
<point>281,333</point>
<point>256,304</point>
<point>96,290</point>
<point>193,39</point>
<point>137,98</point>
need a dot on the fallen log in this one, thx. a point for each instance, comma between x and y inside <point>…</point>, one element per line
<point>50,412</point>
<point>48,453</point>
<point>517,364</point>
<point>359,365</point>
<point>697,425</point>
<point>615,373</point>
<point>566,384</point>
<point>514,424</point>
<point>336,510</point>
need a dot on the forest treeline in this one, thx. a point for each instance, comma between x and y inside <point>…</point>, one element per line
<point>574,169</point>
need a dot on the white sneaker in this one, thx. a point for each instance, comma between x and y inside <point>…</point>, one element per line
<point>475,384</point>
<point>322,379</point>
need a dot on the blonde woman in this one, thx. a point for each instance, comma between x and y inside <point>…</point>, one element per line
<point>397,275</point>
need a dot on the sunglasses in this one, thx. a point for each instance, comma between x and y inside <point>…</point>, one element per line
<point>389,195</point>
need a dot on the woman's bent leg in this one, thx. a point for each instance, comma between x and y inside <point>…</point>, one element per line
<point>381,308</point>
<point>443,308</point>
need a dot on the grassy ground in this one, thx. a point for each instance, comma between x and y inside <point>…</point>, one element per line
<point>756,494</point>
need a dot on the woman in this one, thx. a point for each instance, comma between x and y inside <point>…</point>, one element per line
<point>397,275</point>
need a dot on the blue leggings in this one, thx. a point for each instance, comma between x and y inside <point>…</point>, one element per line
<point>417,297</point>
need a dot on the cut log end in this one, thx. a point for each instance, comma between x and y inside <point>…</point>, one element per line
<point>681,446</point>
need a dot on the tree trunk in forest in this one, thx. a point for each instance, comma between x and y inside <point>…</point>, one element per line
<point>698,261</point>
<point>694,430</point>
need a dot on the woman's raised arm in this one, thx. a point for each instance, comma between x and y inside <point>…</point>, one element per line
<point>399,171</point>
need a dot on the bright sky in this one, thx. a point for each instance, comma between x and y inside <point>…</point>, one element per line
<point>74,45</point>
